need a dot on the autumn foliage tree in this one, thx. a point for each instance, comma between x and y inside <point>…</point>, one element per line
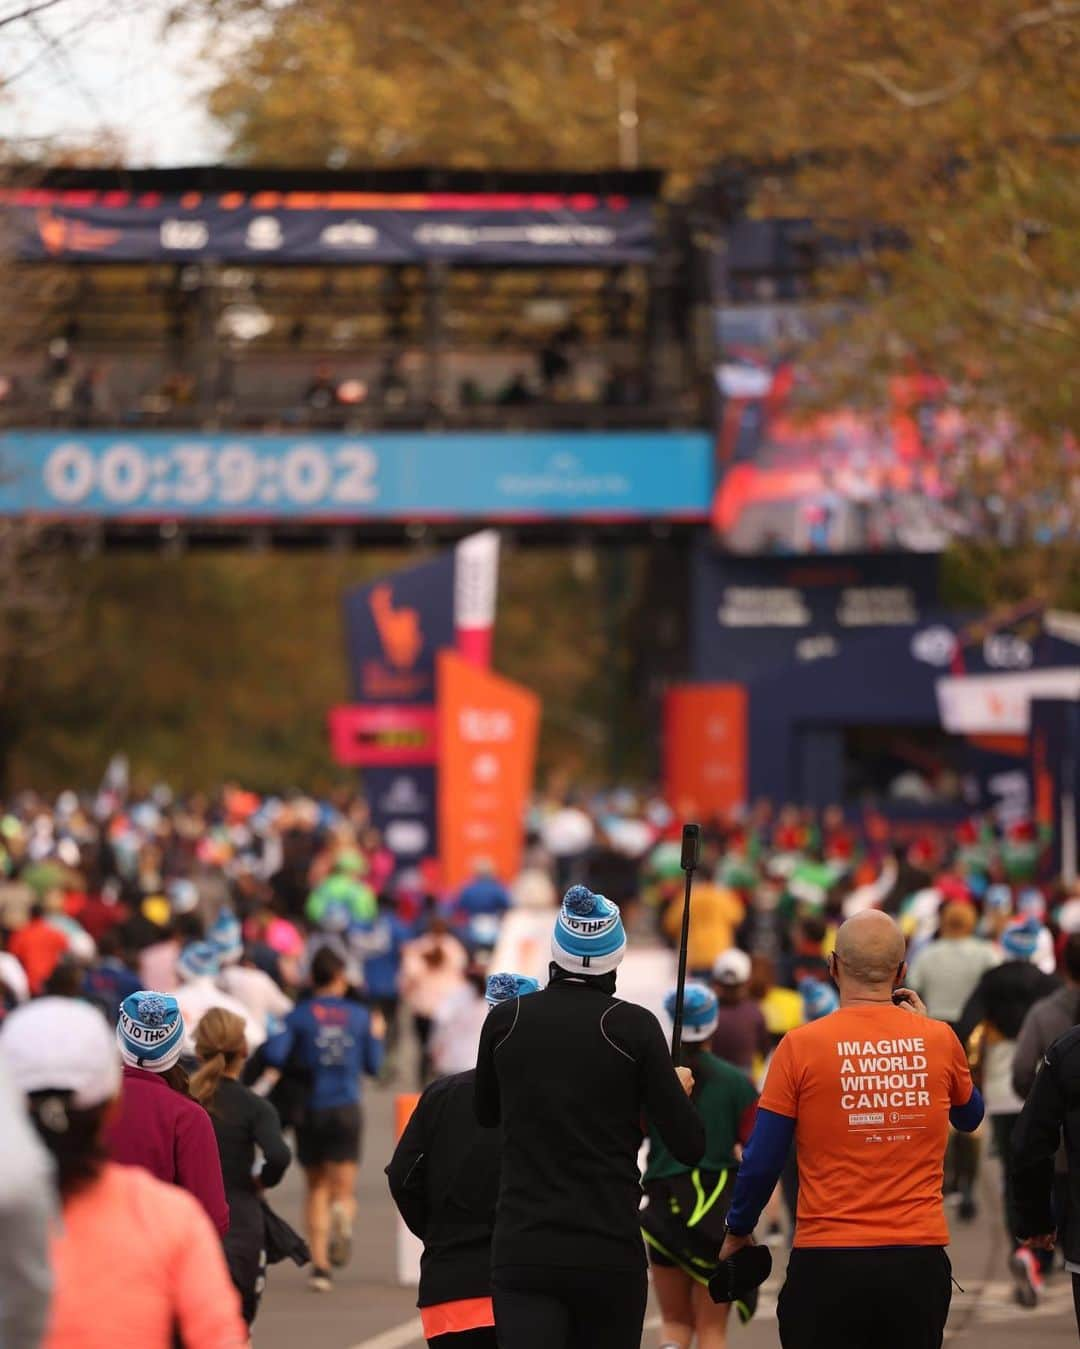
<point>956,123</point>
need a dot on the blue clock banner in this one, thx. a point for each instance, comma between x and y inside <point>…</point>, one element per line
<point>157,475</point>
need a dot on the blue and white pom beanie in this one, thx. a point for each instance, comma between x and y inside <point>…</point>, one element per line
<point>701,1011</point>
<point>150,1031</point>
<point>588,936</point>
<point>199,960</point>
<point>1020,939</point>
<point>502,987</point>
<point>225,935</point>
<point>818,998</point>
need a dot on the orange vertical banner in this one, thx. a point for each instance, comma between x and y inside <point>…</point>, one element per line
<point>487,736</point>
<point>705,749</point>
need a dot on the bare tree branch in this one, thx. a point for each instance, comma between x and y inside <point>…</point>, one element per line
<point>29,11</point>
<point>1055,12</point>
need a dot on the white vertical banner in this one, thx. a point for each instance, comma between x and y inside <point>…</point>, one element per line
<point>476,588</point>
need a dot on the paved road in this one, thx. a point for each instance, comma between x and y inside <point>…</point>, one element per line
<point>368,1310</point>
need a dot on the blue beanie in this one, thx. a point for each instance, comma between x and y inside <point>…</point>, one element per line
<point>818,998</point>
<point>199,959</point>
<point>701,1011</point>
<point>504,987</point>
<point>225,935</point>
<point>588,936</point>
<point>150,1031</point>
<point>1019,940</point>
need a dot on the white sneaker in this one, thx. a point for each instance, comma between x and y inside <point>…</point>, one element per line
<point>339,1247</point>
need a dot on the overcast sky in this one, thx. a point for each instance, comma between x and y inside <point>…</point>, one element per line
<point>92,66</point>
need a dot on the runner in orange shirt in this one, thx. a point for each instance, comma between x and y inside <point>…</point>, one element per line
<point>867,1093</point>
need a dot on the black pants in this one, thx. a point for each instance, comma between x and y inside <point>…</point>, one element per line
<point>889,1297</point>
<point>1003,1126</point>
<point>1076,1299</point>
<point>549,1308</point>
<point>466,1339</point>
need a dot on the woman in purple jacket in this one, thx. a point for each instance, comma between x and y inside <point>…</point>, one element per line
<point>159,1127</point>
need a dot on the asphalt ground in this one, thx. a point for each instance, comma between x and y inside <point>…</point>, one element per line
<point>369,1309</point>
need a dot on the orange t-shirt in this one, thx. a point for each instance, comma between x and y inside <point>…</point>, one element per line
<point>870,1088</point>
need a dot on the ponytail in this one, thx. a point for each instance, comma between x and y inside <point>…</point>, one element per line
<point>73,1137</point>
<point>219,1042</point>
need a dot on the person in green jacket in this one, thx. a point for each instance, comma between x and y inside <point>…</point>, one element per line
<point>343,899</point>
<point>683,1222</point>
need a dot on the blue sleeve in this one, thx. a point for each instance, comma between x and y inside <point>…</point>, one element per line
<point>967,1118</point>
<point>277,1049</point>
<point>764,1159</point>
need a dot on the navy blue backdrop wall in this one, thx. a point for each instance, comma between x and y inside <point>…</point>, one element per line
<point>394,629</point>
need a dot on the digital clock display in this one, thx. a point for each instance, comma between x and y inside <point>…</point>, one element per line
<point>231,474</point>
<point>148,475</point>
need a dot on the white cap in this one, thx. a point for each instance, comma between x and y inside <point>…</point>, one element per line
<point>731,967</point>
<point>60,1044</point>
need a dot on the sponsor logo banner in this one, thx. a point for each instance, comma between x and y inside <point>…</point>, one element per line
<point>328,227</point>
<point>705,744</point>
<point>488,728</point>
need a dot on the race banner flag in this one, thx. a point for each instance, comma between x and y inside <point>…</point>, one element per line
<point>476,588</point>
<point>705,743</point>
<point>488,729</point>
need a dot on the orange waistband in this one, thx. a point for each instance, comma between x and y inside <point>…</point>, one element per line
<point>451,1318</point>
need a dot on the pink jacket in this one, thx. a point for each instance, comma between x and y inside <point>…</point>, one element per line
<point>134,1259</point>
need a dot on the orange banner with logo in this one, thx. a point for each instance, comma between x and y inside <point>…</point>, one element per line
<point>488,728</point>
<point>705,743</point>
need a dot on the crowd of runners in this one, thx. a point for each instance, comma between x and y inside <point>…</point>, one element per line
<point>193,990</point>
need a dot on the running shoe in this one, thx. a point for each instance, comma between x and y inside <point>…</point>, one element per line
<point>320,1281</point>
<point>340,1245</point>
<point>1024,1267</point>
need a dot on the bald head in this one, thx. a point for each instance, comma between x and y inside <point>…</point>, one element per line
<point>870,948</point>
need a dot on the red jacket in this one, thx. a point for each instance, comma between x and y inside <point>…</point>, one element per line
<point>39,947</point>
<point>170,1136</point>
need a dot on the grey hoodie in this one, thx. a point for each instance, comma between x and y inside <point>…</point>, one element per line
<point>27,1206</point>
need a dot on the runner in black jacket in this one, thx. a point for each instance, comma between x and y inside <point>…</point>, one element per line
<point>444,1178</point>
<point>569,1074</point>
<point>1051,1110</point>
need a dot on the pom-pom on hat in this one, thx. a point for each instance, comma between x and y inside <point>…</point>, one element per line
<point>503,987</point>
<point>588,936</point>
<point>199,960</point>
<point>701,1011</point>
<point>225,935</point>
<point>150,1031</point>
